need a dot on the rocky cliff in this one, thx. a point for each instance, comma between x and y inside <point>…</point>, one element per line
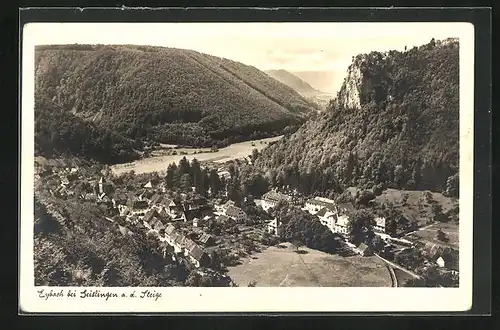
<point>394,121</point>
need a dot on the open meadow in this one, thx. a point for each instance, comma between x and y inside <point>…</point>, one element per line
<point>159,163</point>
<point>277,266</point>
<point>428,234</point>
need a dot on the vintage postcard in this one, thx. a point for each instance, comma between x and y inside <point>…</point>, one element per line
<point>246,167</point>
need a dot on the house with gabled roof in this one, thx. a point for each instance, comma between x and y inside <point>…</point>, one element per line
<point>207,240</point>
<point>201,212</point>
<point>105,186</point>
<point>90,197</point>
<point>224,219</point>
<point>105,200</point>
<point>271,198</point>
<point>135,206</point>
<point>379,224</point>
<point>340,224</point>
<point>167,207</point>
<point>140,226</point>
<point>321,212</point>
<point>64,180</point>
<point>119,198</point>
<point>150,215</point>
<point>221,207</point>
<point>314,205</point>
<point>155,199</point>
<point>158,227</point>
<point>197,222</point>
<point>273,226</point>
<point>364,250</point>
<point>169,230</point>
<point>236,213</point>
<point>448,261</point>
<point>173,239</point>
<point>125,231</point>
<point>197,256</point>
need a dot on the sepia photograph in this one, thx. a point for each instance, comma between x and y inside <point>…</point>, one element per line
<point>280,156</point>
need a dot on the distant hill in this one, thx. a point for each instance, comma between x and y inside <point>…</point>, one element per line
<point>324,80</point>
<point>316,96</point>
<point>394,121</point>
<point>292,81</point>
<point>161,95</point>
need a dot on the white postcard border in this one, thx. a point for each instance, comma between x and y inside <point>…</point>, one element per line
<point>256,299</point>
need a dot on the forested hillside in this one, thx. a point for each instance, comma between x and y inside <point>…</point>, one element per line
<point>161,94</point>
<point>394,121</point>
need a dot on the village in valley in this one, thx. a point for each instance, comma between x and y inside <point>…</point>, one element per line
<point>162,166</point>
<point>202,220</point>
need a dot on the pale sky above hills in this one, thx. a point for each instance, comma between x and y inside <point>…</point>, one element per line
<point>289,46</point>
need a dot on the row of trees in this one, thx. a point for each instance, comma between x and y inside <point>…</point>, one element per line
<point>187,175</point>
<point>243,181</point>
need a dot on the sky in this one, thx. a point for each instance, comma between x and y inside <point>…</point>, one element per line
<point>319,47</point>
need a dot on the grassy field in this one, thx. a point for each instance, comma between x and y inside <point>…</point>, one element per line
<point>284,267</point>
<point>428,234</point>
<point>160,163</point>
<point>402,277</point>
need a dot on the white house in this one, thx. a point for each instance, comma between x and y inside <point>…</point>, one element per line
<point>271,198</point>
<point>169,207</point>
<point>314,205</point>
<point>221,208</point>
<point>273,226</point>
<point>139,208</point>
<point>326,217</point>
<point>448,262</point>
<point>236,213</point>
<point>379,224</point>
<point>364,250</point>
<point>335,222</point>
<point>440,262</point>
<point>225,174</point>
<point>340,226</point>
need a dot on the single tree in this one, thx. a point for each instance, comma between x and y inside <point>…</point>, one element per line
<point>297,243</point>
<point>185,183</point>
<point>360,223</point>
<point>441,236</point>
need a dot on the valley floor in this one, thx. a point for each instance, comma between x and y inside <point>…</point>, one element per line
<point>284,267</point>
<point>159,163</point>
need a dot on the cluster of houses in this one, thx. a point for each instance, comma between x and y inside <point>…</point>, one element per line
<point>331,214</point>
<point>66,177</point>
<point>272,198</point>
<point>230,211</point>
<point>179,245</point>
<point>174,242</point>
<point>336,216</point>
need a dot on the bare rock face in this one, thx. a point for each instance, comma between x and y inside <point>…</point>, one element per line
<point>349,97</point>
